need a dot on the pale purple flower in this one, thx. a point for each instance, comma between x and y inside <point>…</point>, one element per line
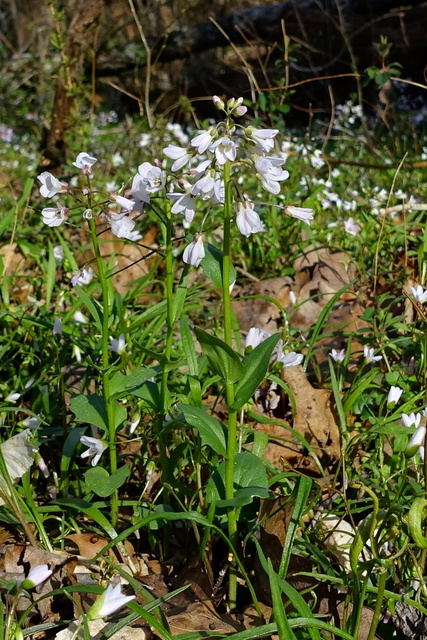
<point>179,154</point>
<point>338,356</point>
<point>302,213</point>
<point>218,103</point>
<point>85,162</point>
<point>153,177</point>
<point>351,227</point>
<point>247,220</point>
<point>83,277</point>
<point>411,419</point>
<point>195,251</point>
<point>117,345</point>
<point>54,216</point>
<point>57,327</point>
<point>32,422</point>
<point>419,294</point>
<point>235,107</point>
<point>255,336</point>
<point>96,448</point>
<point>36,576</point>
<point>368,352</point>
<point>50,185</point>
<point>203,140</point>
<point>394,395</point>
<point>110,601</point>
<point>263,139</point>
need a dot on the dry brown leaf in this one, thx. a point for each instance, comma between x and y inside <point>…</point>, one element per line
<point>90,544</point>
<point>201,616</point>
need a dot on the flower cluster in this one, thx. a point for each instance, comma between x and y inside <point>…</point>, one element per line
<point>416,442</point>
<point>286,358</point>
<point>204,160</point>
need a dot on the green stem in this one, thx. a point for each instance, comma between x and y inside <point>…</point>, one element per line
<point>378,605</point>
<point>229,387</point>
<point>105,368</point>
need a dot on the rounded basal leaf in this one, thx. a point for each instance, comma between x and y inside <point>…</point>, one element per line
<point>100,482</point>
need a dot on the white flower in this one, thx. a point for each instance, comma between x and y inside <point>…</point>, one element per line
<point>262,138</point>
<point>134,423</point>
<point>351,227</point>
<point>118,344</point>
<point>302,213</point>
<point>58,252</point>
<point>32,422</point>
<point>124,203</point>
<point>270,173</point>
<point>368,352</point>
<point>235,107</point>
<point>203,140</point>
<point>184,203</point>
<point>338,356</point>
<point>179,154</point>
<point>12,397</point>
<point>83,277</point>
<point>111,600</point>
<point>116,159</point>
<point>139,192</point>
<point>87,214</point>
<point>291,359</point>
<point>77,353</point>
<point>255,337</point>
<point>36,576</point>
<point>154,178</point>
<point>209,186</point>
<point>84,162</point>
<point>218,103</point>
<point>57,327</point>
<point>54,216</point>
<point>121,225</point>
<point>292,298</point>
<point>247,220</point>
<point>225,149</point>
<point>416,441</point>
<point>96,448</point>
<point>411,420</point>
<point>394,395</point>
<point>79,318</point>
<point>419,294</point>
<point>50,185</point>
<point>195,251</point>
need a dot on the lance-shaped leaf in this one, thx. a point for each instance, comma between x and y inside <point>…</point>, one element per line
<point>255,366</point>
<point>222,359</point>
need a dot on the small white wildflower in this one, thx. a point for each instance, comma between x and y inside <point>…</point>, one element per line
<point>85,162</point>
<point>394,395</point>
<point>57,327</point>
<point>195,251</point>
<point>291,359</point>
<point>83,277</point>
<point>87,214</point>
<point>351,227</point>
<point>263,139</point>
<point>338,356</point>
<point>117,345</point>
<point>247,220</point>
<point>368,352</point>
<point>96,448</point>
<point>225,150</point>
<point>58,252</point>
<point>184,203</point>
<point>302,213</point>
<point>255,336</point>
<point>124,203</point>
<point>179,154</point>
<point>153,177</point>
<point>134,423</point>
<point>50,185</point>
<point>12,397</point>
<point>292,298</point>
<point>419,294</point>
<point>32,422</point>
<point>116,159</point>
<point>36,576</point>
<point>80,318</point>
<point>416,441</point>
<point>54,216</point>
<point>203,140</point>
<point>411,419</point>
<point>121,225</point>
<point>110,601</point>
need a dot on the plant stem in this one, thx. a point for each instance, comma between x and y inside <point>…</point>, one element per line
<point>229,387</point>
<point>378,605</point>
<point>105,368</point>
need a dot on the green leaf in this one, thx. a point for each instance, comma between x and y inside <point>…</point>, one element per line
<point>92,409</point>
<point>102,483</point>
<point>255,367</point>
<point>212,432</point>
<point>212,266</point>
<point>122,384</point>
<point>180,295</point>
<point>223,360</point>
<point>249,479</point>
